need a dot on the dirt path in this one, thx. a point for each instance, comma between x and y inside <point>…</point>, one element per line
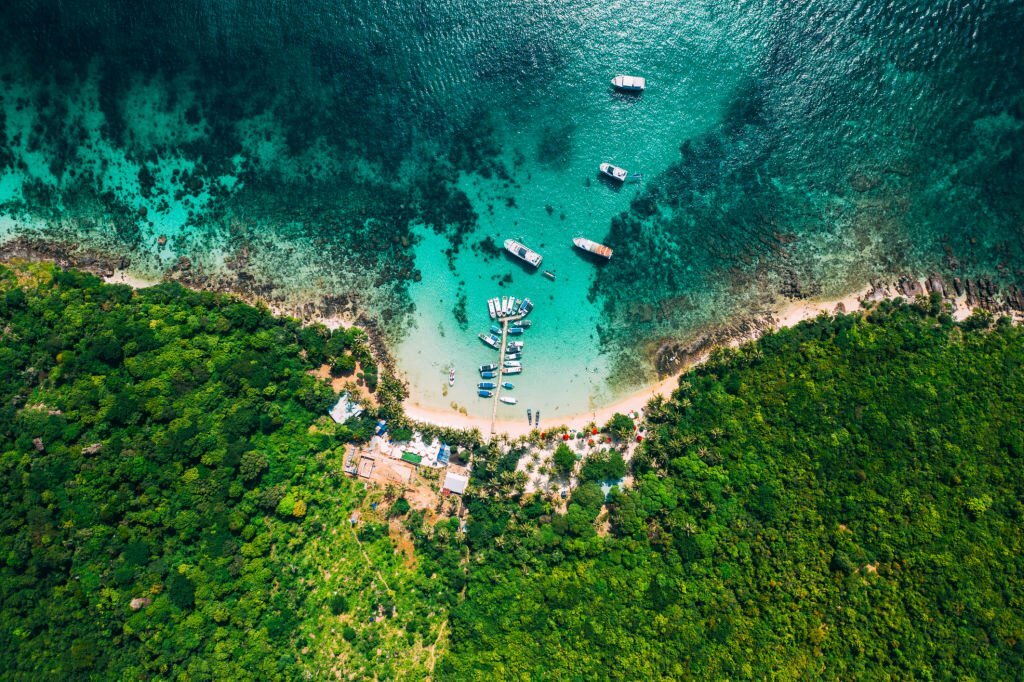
<point>432,661</point>
<point>369,562</point>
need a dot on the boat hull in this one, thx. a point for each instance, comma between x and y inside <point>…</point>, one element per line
<point>523,253</point>
<point>629,83</point>
<point>593,247</point>
<point>613,172</point>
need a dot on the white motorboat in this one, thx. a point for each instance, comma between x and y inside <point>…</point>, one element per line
<point>614,172</point>
<point>523,253</point>
<point>629,83</point>
<point>592,246</point>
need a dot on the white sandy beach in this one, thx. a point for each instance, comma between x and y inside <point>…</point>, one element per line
<point>124,277</point>
<point>786,315</point>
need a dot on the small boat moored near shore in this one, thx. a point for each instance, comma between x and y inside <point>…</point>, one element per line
<point>487,384</point>
<point>550,275</point>
<point>523,253</point>
<point>525,324</point>
<point>485,394</point>
<point>526,307</point>
<point>508,400</point>
<point>491,309</point>
<point>490,339</point>
<point>629,83</point>
<point>529,416</point>
<point>488,375</point>
<point>507,385</point>
<point>512,370</point>
<point>513,363</point>
<point>592,247</point>
<point>451,377</point>
<point>515,331</point>
<point>489,367</point>
<point>614,172</point>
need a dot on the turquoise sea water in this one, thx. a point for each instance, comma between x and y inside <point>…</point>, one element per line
<point>367,154</point>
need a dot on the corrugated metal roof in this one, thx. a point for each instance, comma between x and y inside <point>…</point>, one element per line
<point>456,482</point>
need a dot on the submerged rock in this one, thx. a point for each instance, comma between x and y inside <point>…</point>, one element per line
<point>861,182</point>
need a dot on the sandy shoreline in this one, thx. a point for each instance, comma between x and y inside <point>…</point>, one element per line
<point>124,277</point>
<point>786,315</point>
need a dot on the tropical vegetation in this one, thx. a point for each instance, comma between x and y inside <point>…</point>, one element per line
<point>839,500</point>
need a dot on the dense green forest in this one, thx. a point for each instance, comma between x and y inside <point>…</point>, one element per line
<point>838,500</point>
<point>841,500</point>
<point>173,498</point>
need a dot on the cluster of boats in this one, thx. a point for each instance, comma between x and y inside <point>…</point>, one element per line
<point>510,311</point>
<point>510,307</point>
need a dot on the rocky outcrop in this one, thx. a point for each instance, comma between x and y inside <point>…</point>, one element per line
<point>139,602</point>
<point>64,255</point>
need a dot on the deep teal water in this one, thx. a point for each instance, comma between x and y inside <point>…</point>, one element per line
<point>364,152</point>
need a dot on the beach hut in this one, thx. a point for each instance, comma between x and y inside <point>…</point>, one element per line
<point>455,483</point>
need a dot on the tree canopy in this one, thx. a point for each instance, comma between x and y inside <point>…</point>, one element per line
<point>173,502</point>
<point>842,499</point>
<point>838,500</point>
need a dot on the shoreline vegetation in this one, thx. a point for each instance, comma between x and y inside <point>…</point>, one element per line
<point>843,490</point>
<point>964,297</point>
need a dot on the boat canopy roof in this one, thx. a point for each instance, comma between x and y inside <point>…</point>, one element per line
<point>637,82</point>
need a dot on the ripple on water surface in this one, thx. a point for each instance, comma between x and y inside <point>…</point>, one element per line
<point>371,153</point>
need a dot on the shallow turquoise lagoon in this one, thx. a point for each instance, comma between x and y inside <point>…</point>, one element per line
<point>366,156</point>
